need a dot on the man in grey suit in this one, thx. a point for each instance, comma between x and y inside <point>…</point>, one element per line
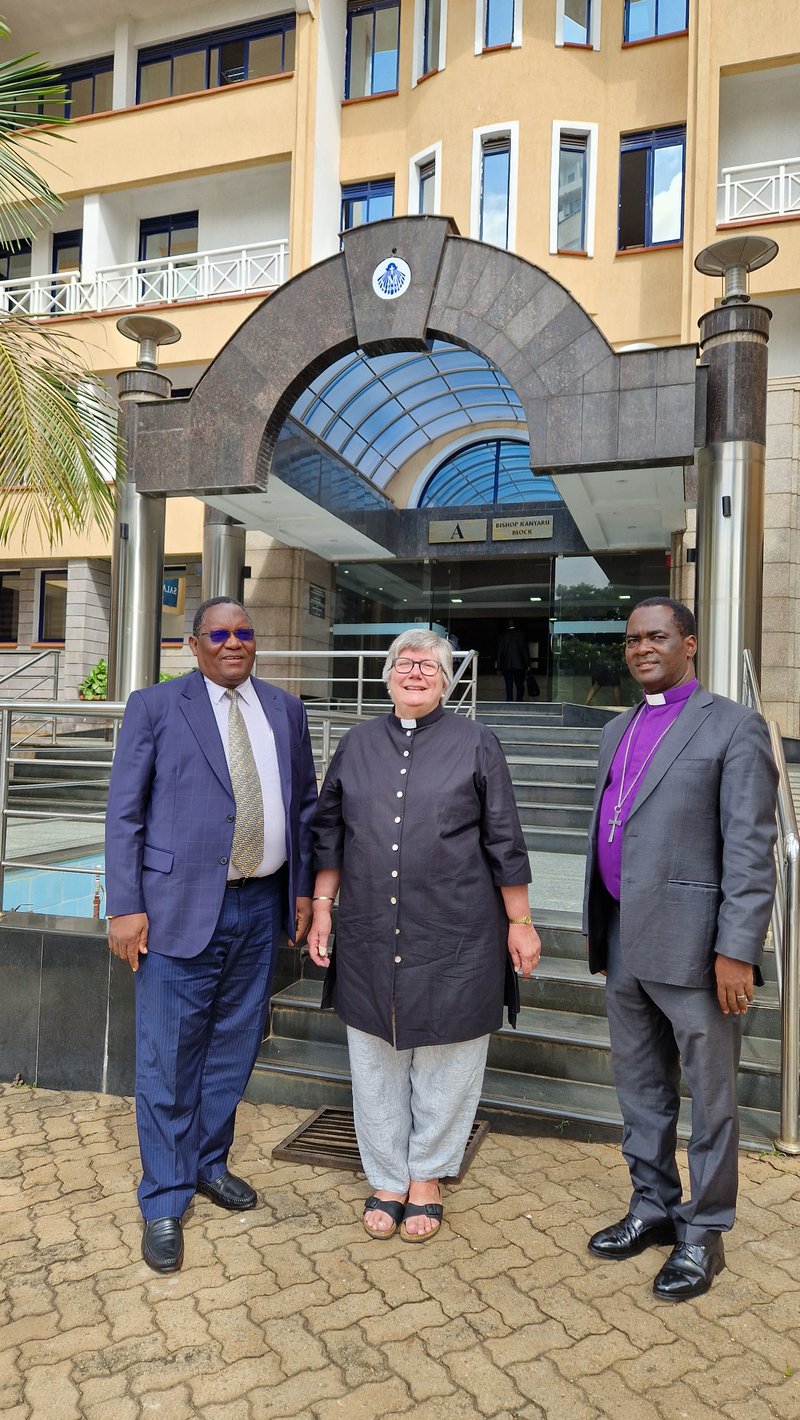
<point>680,881</point>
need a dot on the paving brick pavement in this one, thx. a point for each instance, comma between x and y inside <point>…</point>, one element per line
<point>290,1313</point>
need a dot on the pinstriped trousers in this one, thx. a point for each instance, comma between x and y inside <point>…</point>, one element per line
<point>199,1026</point>
<point>413,1109</point>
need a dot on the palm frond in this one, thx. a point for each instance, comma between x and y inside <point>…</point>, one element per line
<point>27,90</point>
<point>59,445</point>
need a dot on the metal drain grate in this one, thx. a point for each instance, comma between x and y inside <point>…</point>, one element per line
<point>327,1139</point>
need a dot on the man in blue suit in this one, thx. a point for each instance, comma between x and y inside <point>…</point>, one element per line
<point>208,854</point>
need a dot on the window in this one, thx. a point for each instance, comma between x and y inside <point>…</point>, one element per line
<point>495,190</point>
<point>53,605</point>
<point>211,61</point>
<point>427,187</point>
<point>573,184</point>
<point>15,263</point>
<point>9,606</point>
<point>498,22</point>
<point>87,89</point>
<point>173,603</point>
<point>649,19</point>
<point>651,188</point>
<point>373,48</point>
<point>431,35</point>
<point>493,471</point>
<point>162,238</point>
<point>67,250</point>
<point>364,202</point>
<point>572,192</point>
<point>577,22</point>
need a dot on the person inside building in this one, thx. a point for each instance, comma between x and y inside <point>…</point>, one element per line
<point>513,660</point>
<point>208,855</point>
<point>680,882</point>
<point>417,823</point>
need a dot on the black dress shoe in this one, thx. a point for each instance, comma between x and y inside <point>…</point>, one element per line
<point>162,1244</point>
<point>630,1236</point>
<point>228,1191</point>
<point>689,1270</point>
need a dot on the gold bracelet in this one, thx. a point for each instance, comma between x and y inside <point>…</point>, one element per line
<point>520,921</point>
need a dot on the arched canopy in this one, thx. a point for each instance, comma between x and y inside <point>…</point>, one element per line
<point>585,406</point>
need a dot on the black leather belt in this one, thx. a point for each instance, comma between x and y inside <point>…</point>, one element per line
<point>242,882</point>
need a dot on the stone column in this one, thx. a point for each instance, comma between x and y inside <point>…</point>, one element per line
<point>223,556</point>
<point>730,505</point>
<point>137,560</point>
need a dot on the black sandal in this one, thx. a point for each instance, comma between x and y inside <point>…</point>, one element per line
<point>394,1208</point>
<point>420,1210</point>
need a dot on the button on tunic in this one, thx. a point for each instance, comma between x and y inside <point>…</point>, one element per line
<point>425,860</point>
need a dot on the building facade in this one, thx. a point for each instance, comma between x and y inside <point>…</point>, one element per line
<point>217,152</point>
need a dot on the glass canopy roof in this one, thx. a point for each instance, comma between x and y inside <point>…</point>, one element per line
<point>490,471</point>
<point>376,411</point>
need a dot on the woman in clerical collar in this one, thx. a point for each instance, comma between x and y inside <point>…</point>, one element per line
<point>417,824</point>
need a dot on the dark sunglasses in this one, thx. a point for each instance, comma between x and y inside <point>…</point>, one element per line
<point>219,636</point>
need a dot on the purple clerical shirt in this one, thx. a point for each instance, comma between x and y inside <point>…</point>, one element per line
<point>652,720</point>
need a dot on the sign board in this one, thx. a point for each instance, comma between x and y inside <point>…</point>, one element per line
<point>316,600</point>
<point>173,592</point>
<point>516,529</point>
<point>458,530</point>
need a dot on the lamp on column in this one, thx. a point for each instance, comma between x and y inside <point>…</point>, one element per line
<point>733,259</point>
<point>149,332</point>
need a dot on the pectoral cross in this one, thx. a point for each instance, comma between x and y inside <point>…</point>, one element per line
<point>614,823</point>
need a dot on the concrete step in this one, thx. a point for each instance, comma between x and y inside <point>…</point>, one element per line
<point>543,791</point>
<point>560,769</point>
<point>535,814</point>
<point>541,839</point>
<point>553,1066</point>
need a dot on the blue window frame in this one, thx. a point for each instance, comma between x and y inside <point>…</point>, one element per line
<point>650,19</point>
<point>651,183</point>
<point>15,261</point>
<point>572,192</point>
<point>87,89</point>
<point>364,202</point>
<point>174,235</point>
<point>577,21</point>
<point>213,60</point>
<point>373,48</point>
<point>9,606</point>
<point>495,190</point>
<point>427,187</point>
<point>67,250</point>
<point>53,605</point>
<point>431,35</point>
<point>498,23</point>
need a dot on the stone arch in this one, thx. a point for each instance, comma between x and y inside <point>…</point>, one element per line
<point>586,405</point>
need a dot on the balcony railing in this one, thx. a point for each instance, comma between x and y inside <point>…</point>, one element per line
<point>758,191</point>
<point>229,271</point>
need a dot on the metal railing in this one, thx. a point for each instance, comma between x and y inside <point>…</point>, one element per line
<point>785,926</point>
<point>753,191</point>
<point>48,663</point>
<point>359,682</point>
<point>228,271</point>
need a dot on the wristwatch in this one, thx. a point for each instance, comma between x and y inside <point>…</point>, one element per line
<point>520,921</point>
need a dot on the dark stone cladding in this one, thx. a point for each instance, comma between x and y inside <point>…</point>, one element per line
<point>586,406</point>
<point>67,1005</point>
<point>733,342</point>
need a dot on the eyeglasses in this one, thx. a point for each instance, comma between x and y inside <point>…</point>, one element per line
<point>219,635</point>
<point>405,664</point>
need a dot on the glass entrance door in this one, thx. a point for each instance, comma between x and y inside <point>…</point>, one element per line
<point>592,599</point>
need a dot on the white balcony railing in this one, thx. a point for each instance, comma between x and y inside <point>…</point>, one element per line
<point>758,191</point>
<point>230,271</point>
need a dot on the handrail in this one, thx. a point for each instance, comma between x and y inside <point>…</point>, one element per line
<point>302,663</point>
<point>752,167</point>
<point>785,924</point>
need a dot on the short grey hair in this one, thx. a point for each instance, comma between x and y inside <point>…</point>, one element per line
<point>421,640</point>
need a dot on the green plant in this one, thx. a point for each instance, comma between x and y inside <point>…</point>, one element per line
<point>94,685</point>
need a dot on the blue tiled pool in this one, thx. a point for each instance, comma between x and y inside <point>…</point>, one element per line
<point>52,891</point>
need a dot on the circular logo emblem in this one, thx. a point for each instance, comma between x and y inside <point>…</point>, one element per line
<point>391,278</point>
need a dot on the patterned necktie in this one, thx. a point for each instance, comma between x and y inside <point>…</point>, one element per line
<point>248,835</point>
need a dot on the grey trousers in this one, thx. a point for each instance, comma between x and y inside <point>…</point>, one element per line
<point>656,1029</point>
<point>413,1108</point>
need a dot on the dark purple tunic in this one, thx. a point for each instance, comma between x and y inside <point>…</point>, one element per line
<point>423,825</point>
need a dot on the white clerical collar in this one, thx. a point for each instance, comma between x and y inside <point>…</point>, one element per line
<point>658,699</point>
<point>409,724</point>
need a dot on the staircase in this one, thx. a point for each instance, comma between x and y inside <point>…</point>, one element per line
<point>69,777</point>
<point>553,1072</point>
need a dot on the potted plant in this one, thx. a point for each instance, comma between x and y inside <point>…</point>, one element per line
<point>94,685</point>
